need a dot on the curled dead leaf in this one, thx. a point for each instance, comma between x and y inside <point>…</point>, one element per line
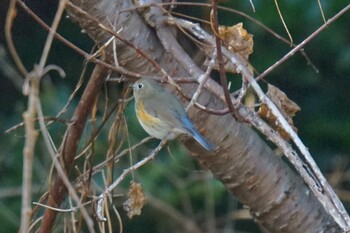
<point>287,107</point>
<point>136,200</point>
<point>237,39</point>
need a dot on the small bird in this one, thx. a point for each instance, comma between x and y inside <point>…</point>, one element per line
<point>161,114</point>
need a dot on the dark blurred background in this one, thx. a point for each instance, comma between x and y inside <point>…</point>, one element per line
<point>323,123</point>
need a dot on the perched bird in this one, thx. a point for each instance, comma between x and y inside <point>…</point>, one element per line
<point>161,114</point>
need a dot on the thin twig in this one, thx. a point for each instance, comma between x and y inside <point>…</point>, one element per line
<point>47,119</point>
<point>283,22</point>
<point>28,154</point>
<point>269,30</point>
<point>87,56</point>
<point>101,198</point>
<point>223,79</point>
<point>202,80</point>
<point>11,14</point>
<point>72,209</point>
<point>321,10</point>
<point>116,158</point>
<point>117,36</point>
<point>303,43</point>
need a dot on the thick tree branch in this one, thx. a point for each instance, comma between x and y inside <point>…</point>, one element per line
<point>58,191</point>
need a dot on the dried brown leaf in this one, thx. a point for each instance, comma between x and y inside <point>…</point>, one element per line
<point>287,107</point>
<point>237,39</point>
<point>136,200</point>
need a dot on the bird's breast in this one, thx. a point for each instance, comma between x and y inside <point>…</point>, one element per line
<point>143,116</point>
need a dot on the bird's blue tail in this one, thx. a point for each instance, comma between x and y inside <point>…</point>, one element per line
<point>201,140</point>
<point>197,136</point>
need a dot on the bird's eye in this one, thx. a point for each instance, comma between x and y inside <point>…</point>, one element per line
<point>140,85</point>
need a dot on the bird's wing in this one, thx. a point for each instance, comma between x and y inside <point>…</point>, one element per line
<point>167,108</point>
